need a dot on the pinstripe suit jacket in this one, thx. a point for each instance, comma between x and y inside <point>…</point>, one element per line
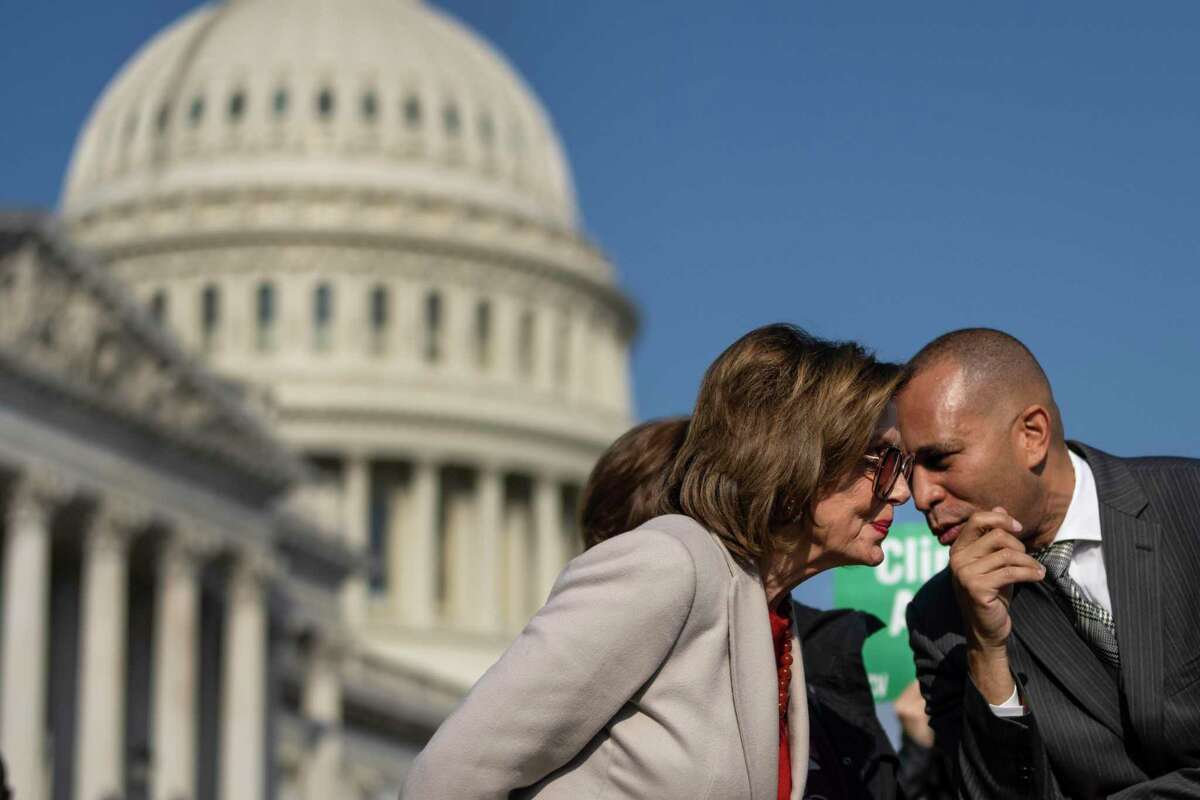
<point>1090,732</point>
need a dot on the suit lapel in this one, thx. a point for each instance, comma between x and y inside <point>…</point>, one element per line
<point>1040,624</point>
<point>798,727</point>
<point>1131,563</point>
<point>752,668</point>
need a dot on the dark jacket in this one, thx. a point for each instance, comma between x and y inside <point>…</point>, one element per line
<point>840,696</point>
<point>1089,732</point>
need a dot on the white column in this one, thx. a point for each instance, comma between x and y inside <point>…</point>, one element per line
<point>622,395</point>
<point>517,569</point>
<point>174,676</point>
<point>322,707</point>
<point>582,363</point>
<point>504,338</point>
<point>486,602</point>
<point>26,627</point>
<point>356,514</point>
<point>100,742</point>
<point>458,317</point>
<point>459,550</point>
<point>243,700</point>
<point>547,503</point>
<point>399,497</point>
<point>545,351</point>
<point>417,576</point>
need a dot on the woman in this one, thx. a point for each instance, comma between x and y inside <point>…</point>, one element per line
<point>849,753</point>
<point>628,484</point>
<point>650,671</point>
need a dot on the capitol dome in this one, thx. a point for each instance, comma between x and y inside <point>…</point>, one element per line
<point>373,95</point>
<point>357,211</point>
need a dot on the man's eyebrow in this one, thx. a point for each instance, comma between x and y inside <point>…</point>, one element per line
<point>938,449</point>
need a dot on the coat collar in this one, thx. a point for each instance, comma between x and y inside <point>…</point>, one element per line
<point>753,675</point>
<point>1130,540</point>
<point>1132,556</point>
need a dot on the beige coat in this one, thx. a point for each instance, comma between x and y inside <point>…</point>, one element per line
<point>649,673</point>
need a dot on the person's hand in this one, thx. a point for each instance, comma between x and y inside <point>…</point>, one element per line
<point>910,709</point>
<point>987,560</point>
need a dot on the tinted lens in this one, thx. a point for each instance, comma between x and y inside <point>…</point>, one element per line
<point>889,468</point>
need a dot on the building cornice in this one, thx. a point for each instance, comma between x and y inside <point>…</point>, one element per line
<point>72,329</point>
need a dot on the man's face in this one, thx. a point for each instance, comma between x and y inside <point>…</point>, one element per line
<point>965,456</point>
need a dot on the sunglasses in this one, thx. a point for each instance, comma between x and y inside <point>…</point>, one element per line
<point>889,463</point>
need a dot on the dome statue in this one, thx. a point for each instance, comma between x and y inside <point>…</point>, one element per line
<point>357,211</point>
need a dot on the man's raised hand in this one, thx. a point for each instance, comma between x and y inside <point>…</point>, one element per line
<point>986,560</point>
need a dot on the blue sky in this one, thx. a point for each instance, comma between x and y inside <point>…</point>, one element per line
<point>878,171</point>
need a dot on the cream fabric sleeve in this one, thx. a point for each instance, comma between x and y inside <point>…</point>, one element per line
<point>610,621</point>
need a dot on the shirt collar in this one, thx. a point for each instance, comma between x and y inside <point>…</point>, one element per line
<point>1082,520</point>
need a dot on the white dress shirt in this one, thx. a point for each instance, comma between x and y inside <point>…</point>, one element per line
<point>1081,525</point>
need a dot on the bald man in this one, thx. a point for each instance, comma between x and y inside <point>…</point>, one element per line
<point>1059,652</point>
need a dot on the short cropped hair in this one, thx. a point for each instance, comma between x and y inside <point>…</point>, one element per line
<point>782,418</point>
<point>995,365</point>
<point>982,353</point>
<point>628,485</point>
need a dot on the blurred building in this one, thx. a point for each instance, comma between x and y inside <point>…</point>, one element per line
<point>359,225</point>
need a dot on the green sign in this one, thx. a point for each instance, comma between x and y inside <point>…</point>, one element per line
<point>911,556</point>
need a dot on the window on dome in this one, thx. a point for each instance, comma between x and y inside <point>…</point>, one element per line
<point>525,344</point>
<point>380,320</point>
<point>210,316</point>
<point>164,118</point>
<point>487,131</point>
<point>280,102</point>
<point>412,111</point>
<point>237,106</point>
<point>325,103</point>
<point>322,317</point>
<point>433,327</point>
<point>158,307</point>
<point>483,334</point>
<point>264,317</point>
<point>196,113</point>
<point>451,120</point>
<point>370,107</point>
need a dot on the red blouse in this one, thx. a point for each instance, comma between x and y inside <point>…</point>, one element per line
<point>781,633</point>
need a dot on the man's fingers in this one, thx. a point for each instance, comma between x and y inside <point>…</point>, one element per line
<point>995,540</point>
<point>1001,568</point>
<point>981,522</point>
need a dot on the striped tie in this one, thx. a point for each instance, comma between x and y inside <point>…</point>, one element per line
<point>1093,622</point>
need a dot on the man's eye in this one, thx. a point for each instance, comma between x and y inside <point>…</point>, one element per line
<point>937,462</point>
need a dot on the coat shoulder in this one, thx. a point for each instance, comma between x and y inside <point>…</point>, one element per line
<point>707,555</point>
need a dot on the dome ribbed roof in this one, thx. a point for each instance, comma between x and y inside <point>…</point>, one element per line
<point>380,95</point>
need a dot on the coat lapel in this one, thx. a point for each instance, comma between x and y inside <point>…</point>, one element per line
<point>1050,638</point>
<point>752,668</point>
<point>1132,555</point>
<point>798,726</point>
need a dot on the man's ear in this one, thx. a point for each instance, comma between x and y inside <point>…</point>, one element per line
<point>1034,431</point>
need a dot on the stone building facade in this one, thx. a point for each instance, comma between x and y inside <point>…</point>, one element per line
<point>357,223</point>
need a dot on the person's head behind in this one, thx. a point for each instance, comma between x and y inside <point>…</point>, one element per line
<point>977,412</point>
<point>774,458</point>
<point>628,485</point>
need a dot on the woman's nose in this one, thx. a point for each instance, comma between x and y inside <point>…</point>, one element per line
<point>901,492</point>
